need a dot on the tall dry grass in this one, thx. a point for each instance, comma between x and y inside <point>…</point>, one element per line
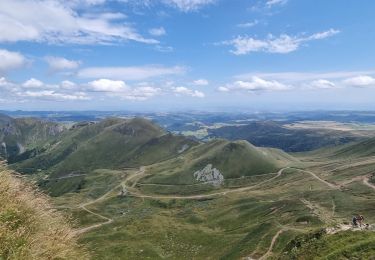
<point>29,228</point>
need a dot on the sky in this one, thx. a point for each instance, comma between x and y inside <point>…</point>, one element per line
<point>172,55</point>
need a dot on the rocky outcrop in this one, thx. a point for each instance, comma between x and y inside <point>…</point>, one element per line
<point>209,175</point>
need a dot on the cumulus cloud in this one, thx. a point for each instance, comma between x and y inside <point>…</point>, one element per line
<point>118,88</point>
<point>5,84</point>
<point>360,81</point>
<point>11,60</point>
<point>183,91</point>
<point>107,85</point>
<point>68,85</point>
<point>256,84</point>
<point>130,73</point>
<point>283,44</point>
<point>189,5</point>
<point>201,82</point>
<point>56,22</point>
<point>33,83</point>
<point>61,63</point>
<point>34,89</point>
<point>157,31</point>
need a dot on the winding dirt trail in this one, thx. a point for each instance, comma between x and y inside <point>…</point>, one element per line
<point>104,196</point>
<point>129,189</point>
<point>366,182</point>
<point>86,229</point>
<point>331,185</point>
<point>135,193</point>
<point>273,241</point>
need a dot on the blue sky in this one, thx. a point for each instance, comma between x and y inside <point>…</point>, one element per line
<point>187,54</point>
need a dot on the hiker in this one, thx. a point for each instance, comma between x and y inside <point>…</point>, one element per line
<point>360,220</point>
<point>354,221</point>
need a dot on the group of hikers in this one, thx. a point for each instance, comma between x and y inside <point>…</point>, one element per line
<point>358,221</point>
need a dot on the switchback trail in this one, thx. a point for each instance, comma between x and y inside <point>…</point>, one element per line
<point>107,220</point>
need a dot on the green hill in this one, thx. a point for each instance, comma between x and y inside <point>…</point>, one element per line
<point>17,135</point>
<point>360,149</point>
<point>232,159</point>
<point>112,143</point>
<point>109,144</point>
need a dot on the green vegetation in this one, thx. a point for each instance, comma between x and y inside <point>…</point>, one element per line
<point>233,160</point>
<point>21,134</point>
<point>343,245</point>
<point>29,229</point>
<point>274,134</point>
<point>131,188</point>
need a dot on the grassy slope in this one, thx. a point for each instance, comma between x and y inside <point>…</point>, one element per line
<point>227,227</point>
<point>243,224</point>
<point>343,245</point>
<point>110,144</point>
<point>29,229</point>
<point>232,159</point>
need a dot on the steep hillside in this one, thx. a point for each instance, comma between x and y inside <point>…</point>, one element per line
<point>20,134</point>
<point>273,134</point>
<point>360,149</point>
<point>29,229</point>
<point>111,143</point>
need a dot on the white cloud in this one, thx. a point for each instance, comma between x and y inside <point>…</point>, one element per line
<point>201,82</point>
<point>107,85</point>
<point>60,63</point>
<point>248,24</point>
<point>57,22</point>
<point>256,84</point>
<point>33,83</point>
<point>10,60</point>
<point>140,93</point>
<point>189,5</point>
<point>322,84</point>
<point>157,31</point>
<point>282,44</point>
<point>187,92</point>
<point>223,89</point>
<point>53,95</point>
<point>5,84</point>
<point>293,76</point>
<point>130,73</point>
<point>118,88</point>
<point>360,81</point>
<point>66,84</point>
<point>272,3</point>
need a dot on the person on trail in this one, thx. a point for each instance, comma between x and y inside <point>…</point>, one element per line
<point>360,220</point>
<point>354,221</point>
